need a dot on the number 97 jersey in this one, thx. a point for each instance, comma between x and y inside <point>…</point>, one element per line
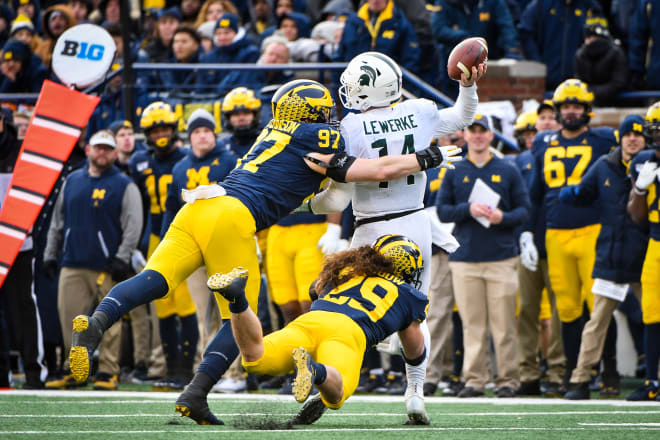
<point>390,131</point>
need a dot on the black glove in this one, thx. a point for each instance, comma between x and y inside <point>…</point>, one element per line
<point>119,270</point>
<point>50,269</point>
<point>430,157</point>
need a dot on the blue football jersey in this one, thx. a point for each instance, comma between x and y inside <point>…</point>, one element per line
<point>272,179</point>
<point>653,191</point>
<point>153,175</point>
<point>380,305</point>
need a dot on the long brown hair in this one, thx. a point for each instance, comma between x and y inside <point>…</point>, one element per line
<point>342,266</point>
<point>227,5</point>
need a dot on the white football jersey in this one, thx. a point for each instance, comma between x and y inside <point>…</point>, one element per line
<point>400,129</point>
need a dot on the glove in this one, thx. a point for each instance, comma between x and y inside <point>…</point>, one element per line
<point>305,208</point>
<point>391,345</point>
<point>50,269</point>
<point>331,241</point>
<point>435,156</point>
<point>529,256</point>
<point>118,270</point>
<point>568,195</point>
<point>137,261</point>
<point>646,175</point>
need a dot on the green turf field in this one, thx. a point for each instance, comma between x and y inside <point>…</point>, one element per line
<point>148,415</point>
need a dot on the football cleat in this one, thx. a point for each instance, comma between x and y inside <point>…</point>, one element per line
<point>231,286</point>
<point>195,406</point>
<point>65,382</point>
<point>578,391</point>
<point>167,384</point>
<point>305,374</point>
<point>310,412</point>
<point>105,382</point>
<point>87,334</point>
<point>416,411</point>
<point>648,391</point>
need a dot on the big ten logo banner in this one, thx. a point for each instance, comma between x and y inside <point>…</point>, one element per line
<point>83,50</point>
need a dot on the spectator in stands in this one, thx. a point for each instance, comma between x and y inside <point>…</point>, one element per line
<point>159,48</point>
<point>644,29</point>
<point>382,27</point>
<point>240,117</point>
<point>205,32</point>
<point>54,22</point>
<point>456,20</point>
<point>263,18</point>
<point>601,63</point>
<point>21,122</point>
<point>265,83</point>
<point>81,9</point>
<point>551,33</point>
<point>327,34</point>
<point>17,298</point>
<point>110,108</point>
<point>30,8</point>
<point>211,10</point>
<point>295,28</point>
<point>21,71</point>
<point>109,11</point>
<point>189,11</point>
<point>22,29</point>
<point>232,46</point>
<point>484,277</point>
<point>99,211</point>
<point>6,17</point>
<point>622,13</point>
<point>186,46</point>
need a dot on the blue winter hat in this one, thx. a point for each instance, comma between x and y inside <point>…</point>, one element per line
<point>16,50</point>
<point>634,123</point>
<point>173,12</point>
<point>227,21</point>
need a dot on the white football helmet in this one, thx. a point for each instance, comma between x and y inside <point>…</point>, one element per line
<point>371,79</point>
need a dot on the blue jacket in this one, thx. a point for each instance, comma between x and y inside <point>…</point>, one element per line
<point>622,243</point>
<point>525,163</point>
<point>641,31</point>
<point>28,80</point>
<point>92,207</point>
<point>392,34</point>
<point>479,244</point>
<point>240,51</point>
<point>551,32</point>
<point>454,21</point>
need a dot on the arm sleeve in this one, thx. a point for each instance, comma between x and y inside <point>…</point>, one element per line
<point>442,28</point>
<point>448,210</point>
<point>461,114</point>
<point>528,29</point>
<point>519,201</point>
<point>508,37</point>
<point>54,236</point>
<point>131,222</point>
<point>334,199</point>
<point>535,195</point>
<point>588,187</point>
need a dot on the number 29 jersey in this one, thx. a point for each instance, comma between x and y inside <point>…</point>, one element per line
<point>272,179</point>
<point>380,305</point>
<point>559,162</point>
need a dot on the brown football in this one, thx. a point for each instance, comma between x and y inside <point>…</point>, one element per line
<point>470,52</point>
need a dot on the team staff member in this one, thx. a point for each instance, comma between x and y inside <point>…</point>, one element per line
<point>287,164</point>
<point>366,294</point>
<point>97,221</point>
<point>561,158</point>
<point>619,251</point>
<point>484,278</point>
<point>152,171</point>
<point>533,277</point>
<point>643,206</point>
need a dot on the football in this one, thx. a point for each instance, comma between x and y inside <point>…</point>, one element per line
<point>470,52</point>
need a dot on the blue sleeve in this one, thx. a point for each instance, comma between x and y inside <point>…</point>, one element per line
<point>528,28</point>
<point>519,201</point>
<point>536,193</point>
<point>508,37</point>
<point>448,209</point>
<point>638,37</point>
<point>587,192</point>
<point>410,51</point>
<point>442,27</point>
<point>37,78</point>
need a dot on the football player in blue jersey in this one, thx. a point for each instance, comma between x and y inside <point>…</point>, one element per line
<point>366,294</point>
<point>152,171</point>
<point>241,111</point>
<point>290,160</point>
<point>561,158</point>
<point>643,206</point>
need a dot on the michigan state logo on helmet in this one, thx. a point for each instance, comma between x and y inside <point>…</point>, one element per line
<point>652,125</point>
<point>406,256</point>
<point>158,114</point>
<point>371,79</point>
<point>302,100</point>
<point>573,91</point>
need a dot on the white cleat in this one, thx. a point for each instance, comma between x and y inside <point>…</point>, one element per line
<point>416,411</point>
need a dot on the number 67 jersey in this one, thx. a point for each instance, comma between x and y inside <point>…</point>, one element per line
<point>560,162</point>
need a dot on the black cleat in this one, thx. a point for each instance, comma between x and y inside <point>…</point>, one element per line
<point>231,286</point>
<point>648,391</point>
<point>87,334</point>
<point>310,412</point>
<point>194,406</point>
<point>530,388</point>
<point>578,391</point>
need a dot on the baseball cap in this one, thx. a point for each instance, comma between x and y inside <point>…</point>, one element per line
<point>103,137</point>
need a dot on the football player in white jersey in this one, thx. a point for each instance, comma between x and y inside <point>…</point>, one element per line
<point>372,84</point>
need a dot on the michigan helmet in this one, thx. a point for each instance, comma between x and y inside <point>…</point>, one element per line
<point>405,255</point>
<point>240,99</point>
<point>573,91</point>
<point>158,114</point>
<point>371,79</point>
<point>302,100</point>
<point>652,125</point>
<point>525,122</point>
